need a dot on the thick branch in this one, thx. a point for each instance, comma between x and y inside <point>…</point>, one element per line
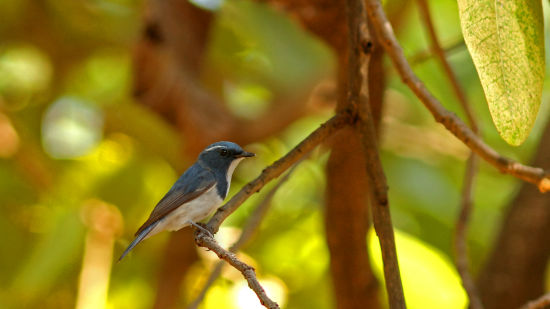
<point>456,126</point>
<point>358,29</point>
<point>204,240</point>
<point>277,168</point>
<point>347,192</point>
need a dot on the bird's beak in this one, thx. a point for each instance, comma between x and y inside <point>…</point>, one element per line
<point>245,154</point>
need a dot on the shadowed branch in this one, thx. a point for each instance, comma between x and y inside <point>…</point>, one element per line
<point>358,32</point>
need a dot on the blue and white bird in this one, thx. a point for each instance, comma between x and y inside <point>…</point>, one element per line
<point>196,194</point>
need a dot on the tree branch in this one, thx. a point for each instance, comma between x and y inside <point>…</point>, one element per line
<point>357,32</point>
<point>252,224</point>
<point>440,54</point>
<point>278,167</point>
<point>426,54</point>
<point>539,303</point>
<point>456,126</point>
<point>204,240</point>
<point>269,173</point>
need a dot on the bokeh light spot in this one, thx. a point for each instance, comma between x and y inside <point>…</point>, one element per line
<point>71,128</point>
<point>246,298</point>
<point>9,140</point>
<point>24,68</point>
<point>423,268</point>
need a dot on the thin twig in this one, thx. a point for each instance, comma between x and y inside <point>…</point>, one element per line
<point>440,54</point>
<point>425,55</point>
<point>456,126</point>
<point>204,240</point>
<point>358,31</point>
<point>460,239</point>
<point>466,204</point>
<point>252,224</point>
<point>539,303</point>
<point>278,167</point>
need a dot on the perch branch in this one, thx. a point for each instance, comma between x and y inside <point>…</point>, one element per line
<point>252,224</point>
<point>357,33</point>
<point>448,119</point>
<point>539,303</point>
<point>278,167</point>
<point>204,240</point>
<point>269,173</point>
<point>466,204</point>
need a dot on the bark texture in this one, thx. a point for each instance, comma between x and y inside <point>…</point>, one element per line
<point>347,222</point>
<point>346,214</point>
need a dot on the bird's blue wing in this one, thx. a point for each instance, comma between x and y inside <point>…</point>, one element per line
<point>193,183</point>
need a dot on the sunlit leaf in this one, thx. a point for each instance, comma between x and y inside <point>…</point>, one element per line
<point>506,41</point>
<point>423,268</point>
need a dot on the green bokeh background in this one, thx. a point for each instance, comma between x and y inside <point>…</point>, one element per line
<point>72,134</point>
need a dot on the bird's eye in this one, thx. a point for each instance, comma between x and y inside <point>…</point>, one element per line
<point>223,152</point>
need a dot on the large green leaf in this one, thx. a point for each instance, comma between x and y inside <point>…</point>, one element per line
<point>505,39</point>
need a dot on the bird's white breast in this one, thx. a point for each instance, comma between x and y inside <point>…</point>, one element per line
<point>230,171</point>
<point>195,210</point>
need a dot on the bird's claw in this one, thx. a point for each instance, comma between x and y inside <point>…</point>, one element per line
<point>202,227</point>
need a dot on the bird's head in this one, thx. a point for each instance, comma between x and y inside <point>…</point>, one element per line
<point>222,156</point>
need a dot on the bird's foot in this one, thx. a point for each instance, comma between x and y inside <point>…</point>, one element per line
<point>201,227</point>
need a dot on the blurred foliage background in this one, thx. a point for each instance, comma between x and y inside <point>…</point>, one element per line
<point>83,162</point>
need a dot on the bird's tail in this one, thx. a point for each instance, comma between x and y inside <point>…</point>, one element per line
<point>138,239</point>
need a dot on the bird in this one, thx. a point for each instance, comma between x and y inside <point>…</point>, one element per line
<point>199,191</point>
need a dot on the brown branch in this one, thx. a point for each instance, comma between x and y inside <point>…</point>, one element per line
<point>252,224</point>
<point>466,204</point>
<point>357,32</point>
<point>456,126</point>
<point>204,240</point>
<point>277,168</point>
<point>440,54</point>
<point>426,54</point>
<point>382,218</point>
<point>269,173</point>
<point>539,303</point>
<point>460,240</point>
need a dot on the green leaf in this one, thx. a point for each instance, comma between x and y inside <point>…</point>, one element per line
<point>422,268</point>
<point>506,41</point>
